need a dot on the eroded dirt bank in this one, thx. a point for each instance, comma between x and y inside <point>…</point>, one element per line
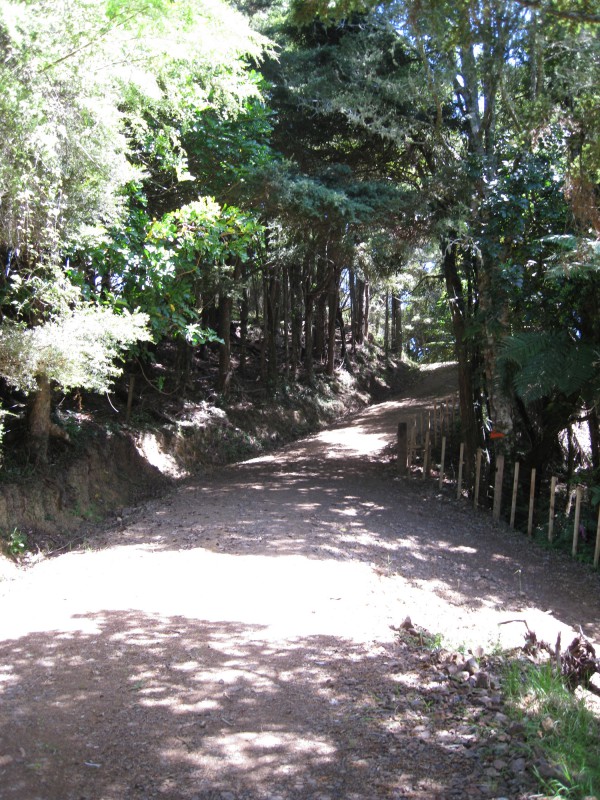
<point>237,640</point>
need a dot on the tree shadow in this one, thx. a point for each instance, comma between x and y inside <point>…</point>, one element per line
<point>349,508</point>
<point>221,645</point>
<point>134,705</point>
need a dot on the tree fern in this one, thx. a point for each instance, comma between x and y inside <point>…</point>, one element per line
<point>540,364</point>
<point>573,256</point>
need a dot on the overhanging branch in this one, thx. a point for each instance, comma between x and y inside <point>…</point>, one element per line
<point>574,15</point>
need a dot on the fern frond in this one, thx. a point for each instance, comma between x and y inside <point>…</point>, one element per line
<point>543,363</point>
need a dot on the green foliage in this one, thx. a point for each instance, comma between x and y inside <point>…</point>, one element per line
<point>305,11</point>
<point>558,723</point>
<point>138,143</point>
<point>426,317</point>
<point>174,266</point>
<point>62,157</point>
<point>573,256</point>
<point>203,149</point>
<point>78,349</point>
<point>14,543</point>
<point>82,85</point>
<point>4,414</point>
<point>331,204</point>
<point>75,81</point>
<point>545,363</point>
<point>224,154</point>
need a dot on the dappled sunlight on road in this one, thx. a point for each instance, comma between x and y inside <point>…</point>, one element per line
<point>265,754</point>
<point>356,441</point>
<point>330,592</point>
<point>228,633</point>
<point>205,706</point>
<point>287,595</point>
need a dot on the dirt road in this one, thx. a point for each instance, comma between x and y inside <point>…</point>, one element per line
<point>236,640</point>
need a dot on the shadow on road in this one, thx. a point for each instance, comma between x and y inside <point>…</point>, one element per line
<point>143,706</point>
<point>234,640</point>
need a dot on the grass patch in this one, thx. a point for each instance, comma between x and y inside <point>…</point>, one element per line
<point>559,727</point>
<point>14,544</point>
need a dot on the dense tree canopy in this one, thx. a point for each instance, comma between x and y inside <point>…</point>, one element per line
<point>304,177</point>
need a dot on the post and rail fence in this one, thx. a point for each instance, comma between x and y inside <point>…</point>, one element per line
<point>429,446</point>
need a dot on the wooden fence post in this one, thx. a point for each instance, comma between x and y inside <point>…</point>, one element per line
<point>498,487</point>
<point>426,455</point>
<point>461,456</point>
<point>412,443</point>
<point>597,550</point>
<point>569,504</point>
<point>402,448</point>
<point>553,482</point>
<point>477,477</point>
<point>515,489</point>
<point>578,496</point>
<point>442,457</point>
<point>531,503</point>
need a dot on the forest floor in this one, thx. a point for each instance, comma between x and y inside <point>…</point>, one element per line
<point>245,637</point>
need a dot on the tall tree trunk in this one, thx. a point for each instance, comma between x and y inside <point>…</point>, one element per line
<point>536,60</point>
<point>257,288</point>
<point>366,311</point>
<point>399,339</point>
<point>272,320</point>
<point>458,311</point>
<point>225,316</point>
<point>333,297</point>
<point>482,57</point>
<point>340,321</point>
<point>244,310</point>
<point>590,334</point>
<point>360,310</point>
<point>594,429</point>
<point>308,338</point>
<point>353,310</point>
<point>296,313</point>
<point>39,420</point>
<point>493,307</point>
<point>320,327</point>
<point>386,325</point>
<point>286,318</point>
<point>225,307</point>
<point>264,346</point>
<point>395,327</point>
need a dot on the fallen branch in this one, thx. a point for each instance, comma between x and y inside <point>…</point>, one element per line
<point>577,664</point>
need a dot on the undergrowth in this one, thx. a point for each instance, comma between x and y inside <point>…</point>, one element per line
<point>13,543</point>
<point>559,727</point>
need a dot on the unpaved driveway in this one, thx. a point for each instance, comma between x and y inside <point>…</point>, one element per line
<point>234,640</point>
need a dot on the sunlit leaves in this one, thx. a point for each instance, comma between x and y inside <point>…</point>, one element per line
<point>172,267</point>
<point>78,349</point>
<point>76,80</point>
<point>303,11</point>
